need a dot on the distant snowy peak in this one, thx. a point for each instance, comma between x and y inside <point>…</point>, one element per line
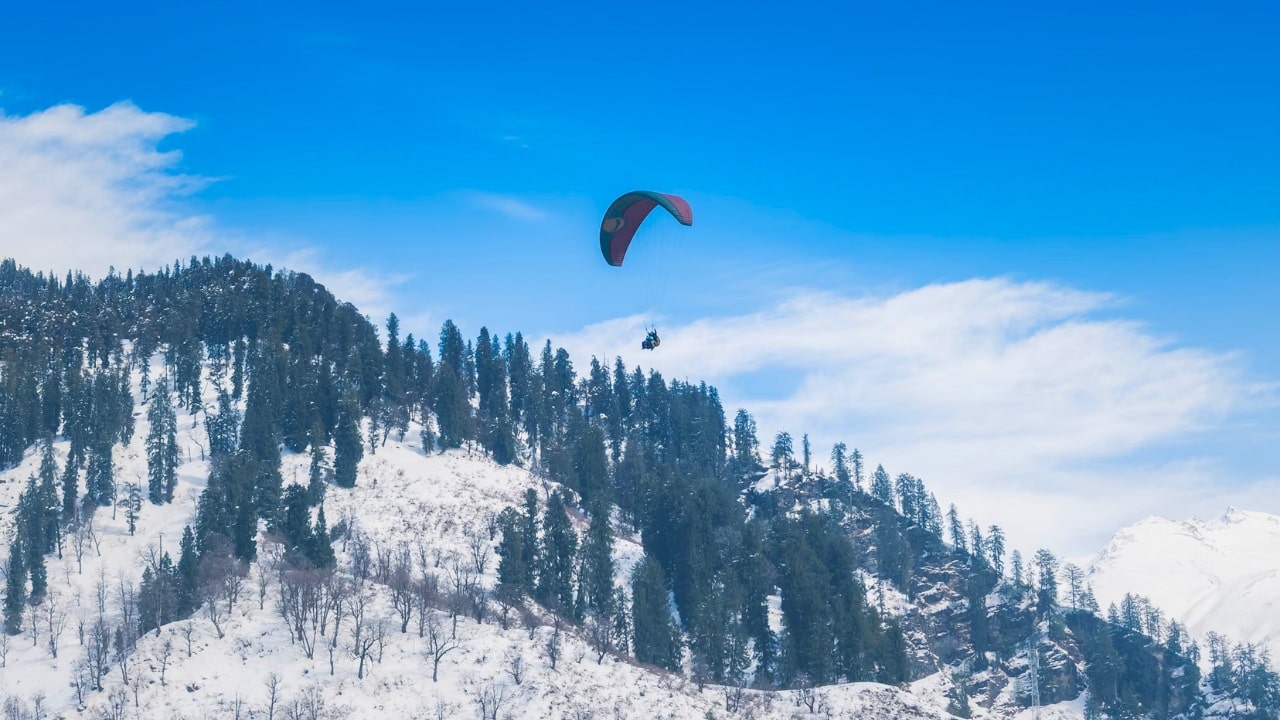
<point>1220,575</point>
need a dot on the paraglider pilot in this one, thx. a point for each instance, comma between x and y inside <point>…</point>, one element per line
<point>651,340</point>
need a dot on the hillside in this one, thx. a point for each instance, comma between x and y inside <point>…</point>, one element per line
<point>434,506</point>
<point>222,479</point>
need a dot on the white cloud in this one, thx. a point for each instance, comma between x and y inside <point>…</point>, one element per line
<point>1017,400</point>
<point>508,206</point>
<point>91,190</point>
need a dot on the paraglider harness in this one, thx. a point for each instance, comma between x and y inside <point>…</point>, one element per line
<point>651,340</point>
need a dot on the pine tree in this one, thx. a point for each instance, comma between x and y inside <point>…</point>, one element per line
<point>452,394</point>
<point>995,548</point>
<point>590,462</point>
<point>558,552</point>
<point>223,428</point>
<point>187,575</point>
<point>513,574</point>
<point>348,448</point>
<point>657,639</point>
<point>840,466</point>
<point>162,445</point>
<point>47,502</point>
<point>977,542</point>
<point>395,405</point>
<point>881,487</point>
<point>956,528</point>
<point>15,595</point>
<point>529,537</point>
<point>30,534</point>
<point>132,502</point>
<point>100,474</point>
<point>596,577</point>
<point>321,545</point>
<point>1074,578</point>
<point>1047,574</point>
<point>295,525</point>
<point>318,467</point>
<point>71,490</point>
<point>782,456</point>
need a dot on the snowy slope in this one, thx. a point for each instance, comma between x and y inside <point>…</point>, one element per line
<point>436,506</point>
<point>1222,575</point>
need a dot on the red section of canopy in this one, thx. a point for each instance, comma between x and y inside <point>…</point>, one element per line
<point>625,215</point>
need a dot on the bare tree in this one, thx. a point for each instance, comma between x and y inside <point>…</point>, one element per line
<point>55,620</point>
<point>361,557</point>
<point>380,637</point>
<point>213,578</point>
<point>300,604</point>
<point>400,583</point>
<point>188,629</point>
<point>213,611</point>
<point>124,660</point>
<point>515,666</point>
<point>233,583</point>
<point>166,651</point>
<point>95,537</point>
<point>357,607</point>
<point>478,546</point>
<point>421,547</point>
<point>14,708</point>
<point>117,701</point>
<point>128,592</point>
<point>100,591</point>
<point>269,558</point>
<point>459,599</point>
<point>273,694</point>
<point>80,542</point>
<point>362,647</point>
<point>340,594</point>
<point>490,699</point>
<point>334,600</point>
<point>426,593</point>
<point>136,683</point>
<point>438,642</point>
<point>444,710</point>
<point>600,635</point>
<point>553,646</point>
<point>33,624</point>
<point>508,599</point>
<point>491,523</point>
<point>4,649</point>
<point>82,679</point>
<point>309,705</point>
<point>98,651</point>
<point>804,691</point>
<point>733,698</point>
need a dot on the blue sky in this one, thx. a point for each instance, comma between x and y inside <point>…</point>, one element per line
<point>453,161</point>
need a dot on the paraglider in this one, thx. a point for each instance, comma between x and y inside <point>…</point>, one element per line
<point>621,221</point>
<point>624,216</point>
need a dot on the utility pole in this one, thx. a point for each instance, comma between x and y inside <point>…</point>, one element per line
<point>1033,656</point>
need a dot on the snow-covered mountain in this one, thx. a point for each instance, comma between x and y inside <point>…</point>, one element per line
<point>1221,575</point>
<point>439,509</point>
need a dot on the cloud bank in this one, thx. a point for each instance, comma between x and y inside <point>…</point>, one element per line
<point>1021,401</point>
<point>92,190</point>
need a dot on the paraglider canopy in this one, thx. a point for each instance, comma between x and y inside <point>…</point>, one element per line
<point>624,216</point>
